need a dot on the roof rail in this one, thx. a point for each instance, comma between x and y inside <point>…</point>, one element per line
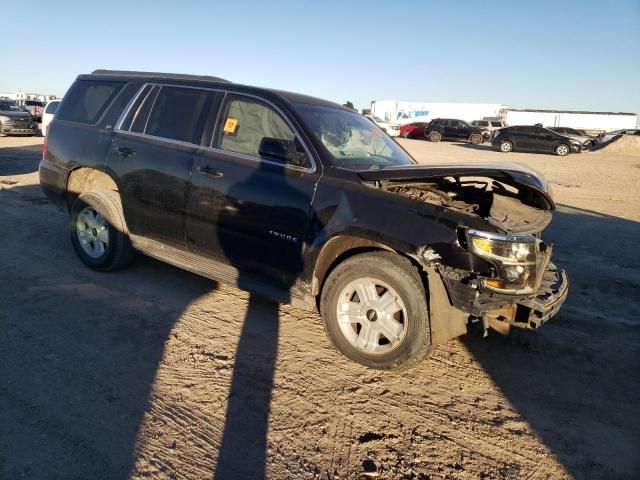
<point>176,76</point>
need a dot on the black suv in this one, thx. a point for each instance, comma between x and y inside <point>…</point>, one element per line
<point>534,139</point>
<point>15,121</point>
<point>453,129</point>
<point>303,201</point>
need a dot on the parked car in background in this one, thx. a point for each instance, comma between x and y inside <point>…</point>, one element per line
<point>35,108</point>
<point>527,138</point>
<point>49,111</point>
<point>606,136</point>
<point>413,130</point>
<point>587,141</point>
<point>303,201</point>
<point>490,125</point>
<point>15,121</point>
<point>391,128</point>
<point>454,129</point>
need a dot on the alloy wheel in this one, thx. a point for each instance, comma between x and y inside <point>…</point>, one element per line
<point>372,316</point>
<point>93,232</point>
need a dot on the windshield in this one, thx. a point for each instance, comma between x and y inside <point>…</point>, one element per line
<point>353,141</point>
<point>9,107</point>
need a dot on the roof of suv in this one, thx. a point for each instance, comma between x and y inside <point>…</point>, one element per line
<point>212,81</point>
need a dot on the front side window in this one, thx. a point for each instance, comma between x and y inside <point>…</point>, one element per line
<point>496,124</point>
<point>245,123</point>
<point>351,140</point>
<point>177,114</point>
<point>483,123</point>
<point>86,100</point>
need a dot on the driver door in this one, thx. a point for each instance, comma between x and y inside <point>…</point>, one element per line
<point>247,208</point>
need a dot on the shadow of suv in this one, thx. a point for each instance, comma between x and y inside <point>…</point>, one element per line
<point>303,201</point>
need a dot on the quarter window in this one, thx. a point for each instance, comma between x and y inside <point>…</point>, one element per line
<point>244,123</point>
<point>86,100</point>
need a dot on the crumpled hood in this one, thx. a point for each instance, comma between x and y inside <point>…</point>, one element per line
<point>512,174</point>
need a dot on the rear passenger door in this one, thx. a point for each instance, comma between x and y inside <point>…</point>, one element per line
<point>248,208</point>
<point>151,155</point>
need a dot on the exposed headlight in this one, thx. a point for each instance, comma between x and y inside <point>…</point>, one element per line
<point>519,260</point>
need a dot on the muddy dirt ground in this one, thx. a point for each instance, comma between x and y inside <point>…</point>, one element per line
<point>153,372</point>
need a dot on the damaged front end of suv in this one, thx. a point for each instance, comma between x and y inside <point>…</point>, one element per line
<point>497,270</point>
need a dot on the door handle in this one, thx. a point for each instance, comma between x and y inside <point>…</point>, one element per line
<point>125,151</point>
<point>209,171</point>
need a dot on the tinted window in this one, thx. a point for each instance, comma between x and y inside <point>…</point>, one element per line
<point>86,100</point>
<point>246,122</point>
<point>9,107</point>
<point>528,130</point>
<point>51,107</point>
<point>482,123</point>
<point>141,114</point>
<point>496,124</point>
<point>177,112</point>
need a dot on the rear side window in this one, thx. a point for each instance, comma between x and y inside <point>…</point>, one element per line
<point>177,112</point>
<point>87,100</point>
<point>496,124</point>
<point>483,123</point>
<point>51,107</point>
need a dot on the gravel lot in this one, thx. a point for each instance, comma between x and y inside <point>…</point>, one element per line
<point>140,373</point>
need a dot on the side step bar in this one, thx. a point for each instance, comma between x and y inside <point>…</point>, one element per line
<point>222,272</point>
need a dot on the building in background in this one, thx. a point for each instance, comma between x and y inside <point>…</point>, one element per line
<point>603,121</point>
<point>21,97</point>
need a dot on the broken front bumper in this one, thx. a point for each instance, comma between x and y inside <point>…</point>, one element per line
<point>502,311</point>
<point>532,312</point>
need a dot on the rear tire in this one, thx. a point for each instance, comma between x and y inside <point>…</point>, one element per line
<point>562,150</point>
<point>434,136</point>
<point>98,231</point>
<point>506,146</point>
<point>388,328</point>
<point>476,138</point>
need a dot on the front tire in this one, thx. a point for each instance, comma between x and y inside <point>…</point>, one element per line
<point>562,150</point>
<point>434,136</point>
<point>98,231</point>
<point>374,310</point>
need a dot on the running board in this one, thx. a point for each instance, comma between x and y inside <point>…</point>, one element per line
<point>222,272</point>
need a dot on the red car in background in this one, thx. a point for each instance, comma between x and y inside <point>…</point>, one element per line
<point>413,130</point>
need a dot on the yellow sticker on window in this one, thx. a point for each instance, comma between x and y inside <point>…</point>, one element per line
<point>230,125</point>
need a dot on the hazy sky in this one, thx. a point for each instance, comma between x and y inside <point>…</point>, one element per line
<point>579,55</point>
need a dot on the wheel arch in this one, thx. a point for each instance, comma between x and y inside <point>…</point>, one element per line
<point>336,250</point>
<point>446,322</point>
<point>83,179</point>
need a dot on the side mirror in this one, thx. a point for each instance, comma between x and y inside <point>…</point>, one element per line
<point>288,151</point>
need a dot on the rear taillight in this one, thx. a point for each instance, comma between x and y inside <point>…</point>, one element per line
<point>37,109</point>
<point>44,144</point>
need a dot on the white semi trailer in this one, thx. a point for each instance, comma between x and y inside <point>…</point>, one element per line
<point>394,111</point>
<point>600,121</point>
